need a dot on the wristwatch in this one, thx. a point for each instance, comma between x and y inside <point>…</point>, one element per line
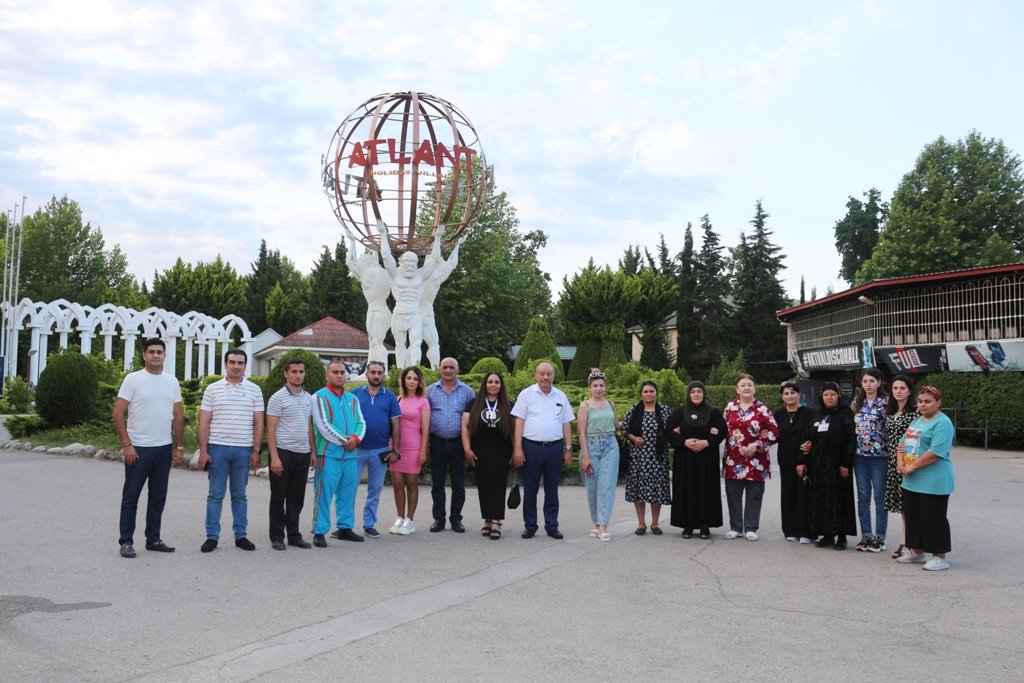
<point>567,448</point>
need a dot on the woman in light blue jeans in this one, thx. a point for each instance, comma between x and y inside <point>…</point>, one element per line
<point>599,453</point>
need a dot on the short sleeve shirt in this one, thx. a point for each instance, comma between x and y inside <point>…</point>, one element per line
<point>446,408</point>
<point>292,412</point>
<point>542,414</point>
<point>232,407</point>
<point>378,411</point>
<point>151,400</point>
<point>935,435</point>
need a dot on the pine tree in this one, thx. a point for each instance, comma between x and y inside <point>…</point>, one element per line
<point>686,313</point>
<point>712,306</point>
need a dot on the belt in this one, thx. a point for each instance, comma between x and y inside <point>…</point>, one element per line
<point>445,438</point>
<point>602,434</point>
<point>544,444</point>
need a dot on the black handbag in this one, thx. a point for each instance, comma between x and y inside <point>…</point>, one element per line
<point>514,497</point>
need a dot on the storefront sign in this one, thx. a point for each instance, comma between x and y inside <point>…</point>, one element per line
<point>986,356</point>
<point>838,357</point>
<point>912,359</point>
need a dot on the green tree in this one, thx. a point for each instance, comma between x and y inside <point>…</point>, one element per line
<point>857,233</point>
<point>595,302</point>
<point>212,288</point>
<point>538,345</point>
<point>961,206</point>
<point>713,308</point>
<point>266,273</point>
<point>686,311</point>
<point>62,258</point>
<point>333,290</point>
<point>657,295</point>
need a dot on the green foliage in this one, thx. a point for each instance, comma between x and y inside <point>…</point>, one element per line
<point>67,389</point>
<point>333,291</point>
<point>975,401</point>
<point>17,396</point>
<point>588,355</point>
<point>857,233</point>
<point>727,370</point>
<point>316,373</point>
<point>489,364</point>
<point>537,346</point>
<point>686,310</point>
<point>962,205</point>
<point>212,288</point>
<point>62,258</point>
<point>711,308</point>
<point>21,426</point>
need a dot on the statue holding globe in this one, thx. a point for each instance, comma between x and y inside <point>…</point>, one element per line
<point>407,177</point>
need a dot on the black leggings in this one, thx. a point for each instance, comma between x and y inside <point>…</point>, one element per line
<point>927,526</point>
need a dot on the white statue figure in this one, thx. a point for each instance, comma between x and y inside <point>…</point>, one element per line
<point>439,272</point>
<point>376,286</point>
<point>406,285</point>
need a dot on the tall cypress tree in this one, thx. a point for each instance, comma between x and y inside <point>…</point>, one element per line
<point>712,306</point>
<point>686,312</point>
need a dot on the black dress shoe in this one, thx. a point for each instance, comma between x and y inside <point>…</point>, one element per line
<point>687,533</point>
<point>705,533</point>
<point>319,541</point>
<point>840,543</point>
<point>244,543</point>
<point>208,545</point>
<point>438,525</point>
<point>458,527</point>
<point>555,533</point>
<point>127,551</point>
<point>529,533</point>
<point>824,542</point>
<point>278,545</point>
<point>299,542</point>
<point>159,546</point>
<point>347,535</point>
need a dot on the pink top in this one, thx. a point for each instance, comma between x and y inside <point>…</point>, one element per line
<point>411,422</point>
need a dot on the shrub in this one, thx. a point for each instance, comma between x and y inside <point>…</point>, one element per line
<point>17,395</point>
<point>537,346</point>
<point>489,364</point>
<point>21,426</point>
<point>727,370</point>
<point>67,389</point>
<point>316,373</point>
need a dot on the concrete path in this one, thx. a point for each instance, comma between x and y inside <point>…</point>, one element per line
<point>448,607</point>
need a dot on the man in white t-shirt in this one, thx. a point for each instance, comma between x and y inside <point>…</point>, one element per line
<point>152,399</point>
<point>289,439</point>
<point>230,438</point>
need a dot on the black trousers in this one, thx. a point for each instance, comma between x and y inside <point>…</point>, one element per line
<point>287,494</point>
<point>447,457</point>
<point>927,524</point>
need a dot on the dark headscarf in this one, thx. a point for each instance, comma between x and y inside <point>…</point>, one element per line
<point>697,415</point>
<point>829,386</point>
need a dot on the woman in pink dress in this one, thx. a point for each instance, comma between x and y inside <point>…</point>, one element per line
<point>415,426</point>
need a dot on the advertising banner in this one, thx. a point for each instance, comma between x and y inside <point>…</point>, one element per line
<point>986,356</point>
<point>837,357</point>
<point>912,359</point>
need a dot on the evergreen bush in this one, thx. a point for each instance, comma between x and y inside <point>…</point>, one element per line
<point>67,390</point>
<point>538,345</point>
<point>21,426</point>
<point>17,396</point>
<point>489,364</point>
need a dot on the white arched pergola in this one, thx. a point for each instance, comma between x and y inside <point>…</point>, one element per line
<point>196,331</point>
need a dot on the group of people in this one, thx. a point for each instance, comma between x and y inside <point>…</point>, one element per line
<point>896,445</point>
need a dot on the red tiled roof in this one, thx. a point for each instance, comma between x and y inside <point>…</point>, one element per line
<point>329,333</point>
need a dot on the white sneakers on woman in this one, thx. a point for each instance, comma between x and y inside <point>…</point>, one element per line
<point>403,526</point>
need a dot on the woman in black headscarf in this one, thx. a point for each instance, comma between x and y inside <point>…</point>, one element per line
<point>833,441</point>
<point>696,429</point>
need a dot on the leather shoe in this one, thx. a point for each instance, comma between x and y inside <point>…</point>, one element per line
<point>319,541</point>
<point>127,551</point>
<point>555,533</point>
<point>159,546</point>
<point>529,533</point>
<point>208,545</point>
<point>244,543</point>
<point>438,525</point>
<point>347,535</point>
<point>299,542</point>
<point>458,527</point>
<point>278,545</point>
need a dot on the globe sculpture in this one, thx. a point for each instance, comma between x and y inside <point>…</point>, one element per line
<point>406,176</point>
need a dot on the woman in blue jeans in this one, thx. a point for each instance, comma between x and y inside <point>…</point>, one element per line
<point>869,460</point>
<point>599,453</point>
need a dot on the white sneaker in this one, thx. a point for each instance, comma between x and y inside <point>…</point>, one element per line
<point>396,526</point>
<point>407,527</point>
<point>910,557</point>
<point>936,564</point>
<point>751,535</point>
<point>732,534</point>
<point>791,539</point>
<point>806,541</point>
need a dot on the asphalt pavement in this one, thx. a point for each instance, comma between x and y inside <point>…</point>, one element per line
<point>459,607</point>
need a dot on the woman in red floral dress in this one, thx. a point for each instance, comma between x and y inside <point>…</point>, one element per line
<point>746,465</point>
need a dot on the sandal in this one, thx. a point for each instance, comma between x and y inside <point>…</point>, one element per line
<point>605,536</point>
<point>495,531</point>
<point>896,554</point>
<point>594,533</point>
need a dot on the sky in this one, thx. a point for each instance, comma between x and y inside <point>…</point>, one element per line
<point>194,129</point>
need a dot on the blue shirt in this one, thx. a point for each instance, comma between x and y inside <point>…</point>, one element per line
<point>935,435</point>
<point>377,412</point>
<point>446,408</point>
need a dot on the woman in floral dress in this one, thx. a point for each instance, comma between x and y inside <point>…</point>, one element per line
<point>901,411</point>
<point>751,432</point>
<point>647,481</point>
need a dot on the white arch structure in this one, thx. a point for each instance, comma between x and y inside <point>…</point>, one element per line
<point>197,331</point>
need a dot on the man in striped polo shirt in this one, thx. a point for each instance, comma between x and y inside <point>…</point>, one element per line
<point>230,437</point>
<point>338,429</point>
<point>289,435</point>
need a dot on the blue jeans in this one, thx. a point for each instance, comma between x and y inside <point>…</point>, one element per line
<point>546,462</point>
<point>604,456</point>
<point>154,464</point>
<point>375,471</point>
<point>870,475</point>
<point>228,462</point>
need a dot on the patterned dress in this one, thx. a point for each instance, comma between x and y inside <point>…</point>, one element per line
<point>895,427</point>
<point>746,426</point>
<point>647,480</point>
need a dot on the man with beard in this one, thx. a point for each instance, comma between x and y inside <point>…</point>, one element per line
<point>381,414</point>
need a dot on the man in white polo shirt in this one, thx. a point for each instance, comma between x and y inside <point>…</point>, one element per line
<point>289,435</point>
<point>542,442</point>
<point>230,437</point>
<point>152,399</point>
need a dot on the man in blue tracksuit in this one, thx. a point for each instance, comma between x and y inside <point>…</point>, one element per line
<point>338,428</point>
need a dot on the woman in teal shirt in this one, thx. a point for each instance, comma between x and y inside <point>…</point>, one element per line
<point>928,479</point>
